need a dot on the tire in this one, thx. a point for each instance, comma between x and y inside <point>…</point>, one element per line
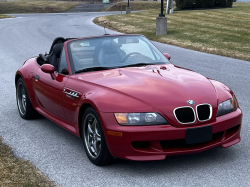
<point>24,104</point>
<point>93,139</point>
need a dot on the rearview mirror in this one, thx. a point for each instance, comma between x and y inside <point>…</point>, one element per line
<point>167,56</point>
<point>48,68</point>
<point>127,40</point>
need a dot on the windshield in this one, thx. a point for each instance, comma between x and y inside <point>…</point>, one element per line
<point>114,52</point>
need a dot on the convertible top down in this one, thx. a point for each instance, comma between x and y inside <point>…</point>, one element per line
<point>125,99</point>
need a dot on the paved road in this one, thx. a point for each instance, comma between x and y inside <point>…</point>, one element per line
<point>60,155</point>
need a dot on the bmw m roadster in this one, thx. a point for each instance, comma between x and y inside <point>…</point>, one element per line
<point>124,99</point>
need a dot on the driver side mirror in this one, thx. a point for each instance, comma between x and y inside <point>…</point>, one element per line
<point>167,56</point>
<point>48,68</point>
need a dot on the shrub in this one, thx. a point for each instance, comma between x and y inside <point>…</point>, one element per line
<point>186,4</point>
<point>220,3</point>
<point>210,3</point>
<point>204,3</point>
<point>230,3</point>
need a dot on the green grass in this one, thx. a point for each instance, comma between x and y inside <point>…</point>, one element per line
<point>4,16</point>
<point>224,31</point>
<point>10,7</point>
<point>18,172</point>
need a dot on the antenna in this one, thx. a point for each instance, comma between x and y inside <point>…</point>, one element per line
<point>105,30</point>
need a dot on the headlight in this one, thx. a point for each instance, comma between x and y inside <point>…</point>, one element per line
<point>227,107</point>
<point>140,119</point>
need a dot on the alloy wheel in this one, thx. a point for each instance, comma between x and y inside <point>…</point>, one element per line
<point>21,98</point>
<point>92,136</point>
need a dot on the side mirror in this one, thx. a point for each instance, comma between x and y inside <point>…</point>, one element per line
<point>167,56</point>
<point>65,71</point>
<point>48,68</point>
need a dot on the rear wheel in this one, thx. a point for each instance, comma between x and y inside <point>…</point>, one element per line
<point>94,140</point>
<point>24,105</point>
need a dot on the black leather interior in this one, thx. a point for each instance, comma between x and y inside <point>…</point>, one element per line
<point>57,41</point>
<point>55,55</point>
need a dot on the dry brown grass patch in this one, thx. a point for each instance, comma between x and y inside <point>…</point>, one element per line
<point>134,5</point>
<point>18,172</point>
<point>4,16</point>
<point>11,7</point>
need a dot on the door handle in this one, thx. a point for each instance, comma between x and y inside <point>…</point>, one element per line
<point>37,77</point>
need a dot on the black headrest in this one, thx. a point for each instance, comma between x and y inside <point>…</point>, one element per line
<point>57,49</point>
<point>56,41</point>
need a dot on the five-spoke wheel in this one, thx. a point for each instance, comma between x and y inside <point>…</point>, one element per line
<point>93,138</point>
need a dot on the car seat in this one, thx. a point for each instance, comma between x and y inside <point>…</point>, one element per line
<point>55,55</point>
<point>108,54</point>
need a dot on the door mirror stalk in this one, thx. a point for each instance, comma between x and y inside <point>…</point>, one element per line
<point>167,56</point>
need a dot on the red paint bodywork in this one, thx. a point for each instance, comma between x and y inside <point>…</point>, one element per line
<point>154,88</point>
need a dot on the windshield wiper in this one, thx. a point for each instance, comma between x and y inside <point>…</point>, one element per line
<point>135,65</point>
<point>92,69</point>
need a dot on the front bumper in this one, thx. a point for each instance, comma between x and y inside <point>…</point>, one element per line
<point>157,142</point>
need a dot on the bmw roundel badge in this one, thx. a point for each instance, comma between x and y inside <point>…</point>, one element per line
<point>190,102</point>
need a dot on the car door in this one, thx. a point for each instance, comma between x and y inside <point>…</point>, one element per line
<point>49,91</point>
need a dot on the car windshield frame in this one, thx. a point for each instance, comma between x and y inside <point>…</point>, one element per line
<point>155,52</point>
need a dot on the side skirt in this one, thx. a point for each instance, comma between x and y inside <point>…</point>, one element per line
<point>64,124</point>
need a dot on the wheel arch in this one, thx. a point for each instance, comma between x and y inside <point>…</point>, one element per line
<point>18,76</point>
<point>106,157</point>
<point>28,85</point>
<point>82,109</point>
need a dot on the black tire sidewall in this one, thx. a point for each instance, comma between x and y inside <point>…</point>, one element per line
<point>100,158</point>
<point>29,112</point>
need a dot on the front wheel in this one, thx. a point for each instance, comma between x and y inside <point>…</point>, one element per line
<point>24,104</point>
<point>94,140</point>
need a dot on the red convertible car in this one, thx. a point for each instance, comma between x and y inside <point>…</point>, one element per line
<point>124,98</point>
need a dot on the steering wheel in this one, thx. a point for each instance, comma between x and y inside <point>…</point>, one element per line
<point>125,58</point>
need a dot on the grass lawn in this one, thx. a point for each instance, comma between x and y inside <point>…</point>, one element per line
<point>223,32</point>
<point>4,16</point>
<point>18,172</point>
<point>135,5</point>
<point>9,7</point>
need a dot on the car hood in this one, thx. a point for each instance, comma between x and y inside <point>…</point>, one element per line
<point>164,88</point>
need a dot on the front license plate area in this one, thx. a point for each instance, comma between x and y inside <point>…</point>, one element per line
<point>199,134</point>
